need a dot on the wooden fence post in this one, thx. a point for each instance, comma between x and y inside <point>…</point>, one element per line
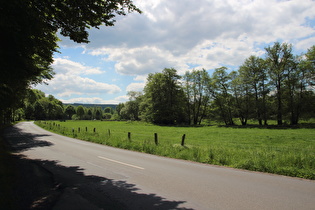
<point>183,139</point>
<point>156,139</point>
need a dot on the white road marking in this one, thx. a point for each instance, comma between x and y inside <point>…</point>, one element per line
<point>95,165</point>
<point>126,164</point>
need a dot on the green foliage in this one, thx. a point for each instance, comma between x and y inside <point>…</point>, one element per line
<point>37,106</point>
<point>221,82</point>
<point>108,110</point>
<point>80,111</point>
<point>253,75</point>
<point>70,111</point>
<point>31,27</point>
<point>165,96</point>
<point>286,151</point>
<point>279,61</point>
<point>130,110</point>
<point>198,90</point>
<point>281,87</point>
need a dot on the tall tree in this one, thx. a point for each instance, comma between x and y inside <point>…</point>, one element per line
<point>279,59</point>
<point>299,86</point>
<point>195,86</point>
<point>241,97</point>
<point>39,111</point>
<point>253,72</point>
<point>80,112</point>
<point>166,97</point>
<point>292,93</point>
<point>28,31</point>
<point>97,113</point>
<point>108,110</point>
<point>309,67</point>
<point>89,114</point>
<point>70,111</point>
<point>131,109</point>
<point>119,107</point>
<point>222,94</point>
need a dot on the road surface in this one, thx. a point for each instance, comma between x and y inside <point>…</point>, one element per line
<point>96,175</point>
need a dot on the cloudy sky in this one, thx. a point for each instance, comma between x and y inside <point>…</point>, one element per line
<point>180,34</point>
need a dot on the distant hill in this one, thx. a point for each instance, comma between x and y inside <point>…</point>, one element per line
<point>103,106</point>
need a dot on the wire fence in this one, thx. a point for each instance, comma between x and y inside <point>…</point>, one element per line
<point>106,133</point>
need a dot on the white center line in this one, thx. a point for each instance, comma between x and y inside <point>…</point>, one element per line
<point>126,164</point>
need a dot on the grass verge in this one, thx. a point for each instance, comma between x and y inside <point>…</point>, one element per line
<point>280,150</point>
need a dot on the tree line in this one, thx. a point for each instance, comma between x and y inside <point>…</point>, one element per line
<point>36,106</point>
<point>278,87</point>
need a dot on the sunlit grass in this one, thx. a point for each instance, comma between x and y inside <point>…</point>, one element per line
<point>286,151</point>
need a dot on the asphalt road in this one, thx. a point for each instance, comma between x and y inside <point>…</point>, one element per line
<point>99,177</point>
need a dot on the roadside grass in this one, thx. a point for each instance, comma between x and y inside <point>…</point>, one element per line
<point>280,150</point>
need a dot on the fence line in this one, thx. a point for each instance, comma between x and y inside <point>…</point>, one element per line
<point>110,133</point>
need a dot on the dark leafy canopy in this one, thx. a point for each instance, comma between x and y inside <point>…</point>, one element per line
<point>37,106</point>
<point>28,35</point>
<point>164,97</point>
<point>74,17</point>
<point>309,67</point>
<point>196,88</point>
<point>253,73</point>
<point>280,60</point>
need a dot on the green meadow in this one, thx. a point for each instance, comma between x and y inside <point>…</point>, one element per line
<point>287,151</point>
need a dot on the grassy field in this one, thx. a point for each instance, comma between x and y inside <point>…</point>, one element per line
<point>285,151</point>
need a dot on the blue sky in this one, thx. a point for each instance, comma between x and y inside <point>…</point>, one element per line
<point>180,34</point>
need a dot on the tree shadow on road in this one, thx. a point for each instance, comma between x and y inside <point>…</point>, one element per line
<point>44,184</point>
<point>47,184</point>
<point>110,194</point>
<point>20,141</point>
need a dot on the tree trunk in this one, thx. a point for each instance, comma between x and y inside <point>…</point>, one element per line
<point>279,114</point>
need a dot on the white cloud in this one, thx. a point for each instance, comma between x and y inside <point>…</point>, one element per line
<point>71,79</point>
<point>66,66</point>
<point>306,43</point>
<point>94,100</point>
<point>142,78</point>
<point>205,33</point>
<point>64,85</point>
<point>139,61</point>
<point>121,99</point>
<point>183,34</point>
<point>135,87</point>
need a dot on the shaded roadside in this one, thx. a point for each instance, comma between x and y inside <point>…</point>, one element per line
<point>7,177</point>
<point>24,183</point>
<point>46,184</point>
